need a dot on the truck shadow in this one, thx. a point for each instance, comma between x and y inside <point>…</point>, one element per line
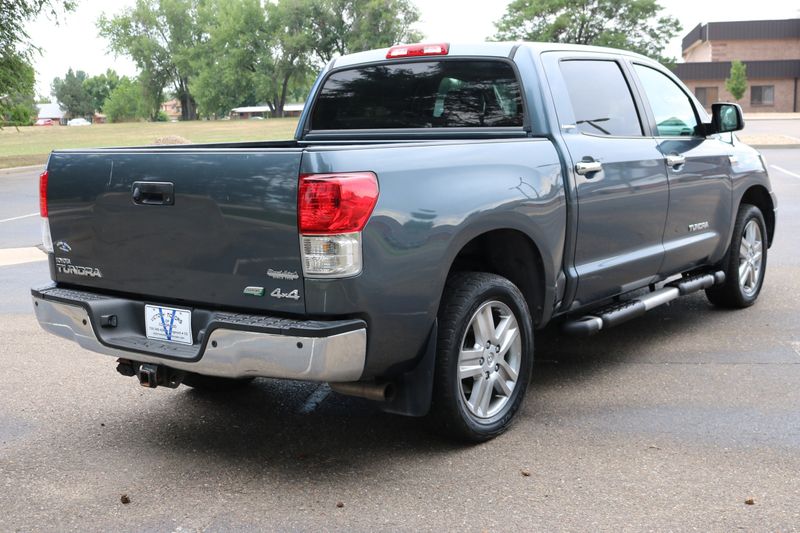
<point>295,429</point>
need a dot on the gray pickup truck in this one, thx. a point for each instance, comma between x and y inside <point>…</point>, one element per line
<point>438,204</point>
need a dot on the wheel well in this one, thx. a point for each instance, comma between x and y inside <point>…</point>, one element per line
<point>511,254</point>
<point>759,197</point>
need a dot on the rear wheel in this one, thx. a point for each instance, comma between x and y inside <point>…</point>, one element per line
<point>745,263</point>
<point>213,383</point>
<point>485,352</point>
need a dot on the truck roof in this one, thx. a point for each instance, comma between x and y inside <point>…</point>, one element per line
<point>487,49</point>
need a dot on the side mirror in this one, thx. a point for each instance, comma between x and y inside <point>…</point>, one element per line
<point>725,118</point>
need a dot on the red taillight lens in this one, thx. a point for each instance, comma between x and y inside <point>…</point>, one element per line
<point>417,50</point>
<point>336,203</point>
<point>43,194</point>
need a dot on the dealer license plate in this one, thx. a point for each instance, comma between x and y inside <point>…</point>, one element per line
<point>168,324</point>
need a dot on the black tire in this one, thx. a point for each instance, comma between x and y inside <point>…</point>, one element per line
<point>733,293</point>
<point>213,383</point>
<point>452,413</point>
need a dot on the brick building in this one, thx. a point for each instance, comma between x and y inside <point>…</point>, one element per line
<point>769,48</point>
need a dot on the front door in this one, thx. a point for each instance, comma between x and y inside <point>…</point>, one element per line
<point>699,175</point>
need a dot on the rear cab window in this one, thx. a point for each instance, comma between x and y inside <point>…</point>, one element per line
<point>446,93</point>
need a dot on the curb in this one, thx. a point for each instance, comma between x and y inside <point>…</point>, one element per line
<point>12,170</point>
<point>774,146</point>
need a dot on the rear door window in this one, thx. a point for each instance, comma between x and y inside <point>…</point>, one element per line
<point>601,98</point>
<point>423,94</point>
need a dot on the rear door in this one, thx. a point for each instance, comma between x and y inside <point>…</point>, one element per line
<point>192,226</point>
<point>620,178</point>
<point>699,173</point>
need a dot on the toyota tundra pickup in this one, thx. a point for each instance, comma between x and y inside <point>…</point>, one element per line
<point>438,204</point>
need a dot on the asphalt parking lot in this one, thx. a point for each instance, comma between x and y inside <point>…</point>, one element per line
<point>669,422</point>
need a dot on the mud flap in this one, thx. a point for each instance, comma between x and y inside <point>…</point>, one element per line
<point>414,389</point>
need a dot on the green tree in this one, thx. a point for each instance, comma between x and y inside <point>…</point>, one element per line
<point>126,102</point>
<point>16,50</point>
<point>736,84</point>
<point>226,62</point>
<point>20,109</point>
<point>100,87</point>
<point>72,95</point>
<point>345,26</point>
<point>635,25</point>
<point>162,38</point>
<point>268,51</point>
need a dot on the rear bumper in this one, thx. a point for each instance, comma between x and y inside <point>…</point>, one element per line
<point>226,344</point>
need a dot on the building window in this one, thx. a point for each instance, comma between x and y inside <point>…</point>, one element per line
<point>762,95</point>
<point>707,95</point>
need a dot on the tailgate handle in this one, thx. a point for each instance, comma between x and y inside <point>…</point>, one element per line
<point>153,193</point>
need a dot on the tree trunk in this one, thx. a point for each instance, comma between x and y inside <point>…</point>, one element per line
<point>188,104</point>
<point>282,98</point>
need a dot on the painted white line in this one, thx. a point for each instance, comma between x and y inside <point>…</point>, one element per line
<point>18,256</point>
<point>18,218</point>
<point>314,399</point>
<point>788,172</point>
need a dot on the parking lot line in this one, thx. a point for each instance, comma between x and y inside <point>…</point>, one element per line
<point>18,218</point>
<point>790,173</point>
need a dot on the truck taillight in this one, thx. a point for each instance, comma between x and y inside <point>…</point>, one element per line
<point>418,50</point>
<point>43,194</point>
<point>332,209</point>
<point>47,240</point>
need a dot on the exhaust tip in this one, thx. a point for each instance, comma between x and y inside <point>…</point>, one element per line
<point>379,392</point>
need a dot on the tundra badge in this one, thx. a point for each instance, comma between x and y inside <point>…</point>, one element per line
<point>698,226</point>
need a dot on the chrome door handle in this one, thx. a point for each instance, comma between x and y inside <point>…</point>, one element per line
<point>675,160</point>
<point>587,167</point>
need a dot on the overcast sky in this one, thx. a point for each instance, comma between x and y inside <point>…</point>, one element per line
<point>74,42</point>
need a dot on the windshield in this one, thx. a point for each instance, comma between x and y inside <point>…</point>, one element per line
<point>424,94</point>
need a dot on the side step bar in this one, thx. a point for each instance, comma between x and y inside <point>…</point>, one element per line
<point>618,313</point>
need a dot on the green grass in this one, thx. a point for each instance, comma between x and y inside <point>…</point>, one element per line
<point>30,145</point>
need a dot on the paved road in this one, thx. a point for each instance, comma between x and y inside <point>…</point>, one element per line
<point>669,422</point>
<point>789,128</point>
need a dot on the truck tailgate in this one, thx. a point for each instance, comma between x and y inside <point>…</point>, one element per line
<point>215,226</point>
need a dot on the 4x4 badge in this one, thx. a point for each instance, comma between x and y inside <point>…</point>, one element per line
<point>280,295</point>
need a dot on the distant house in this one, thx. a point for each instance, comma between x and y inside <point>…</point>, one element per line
<point>769,48</point>
<point>51,111</point>
<point>289,110</point>
<point>172,108</point>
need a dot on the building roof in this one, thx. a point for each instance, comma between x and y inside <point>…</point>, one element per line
<point>741,30</point>
<point>50,111</point>
<point>266,108</point>
<point>720,70</point>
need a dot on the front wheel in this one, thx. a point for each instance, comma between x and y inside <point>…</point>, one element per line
<point>485,352</point>
<point>745,263</point>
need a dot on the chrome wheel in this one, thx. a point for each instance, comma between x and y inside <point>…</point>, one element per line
<point>489,359</point>
<point>750,258</point>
